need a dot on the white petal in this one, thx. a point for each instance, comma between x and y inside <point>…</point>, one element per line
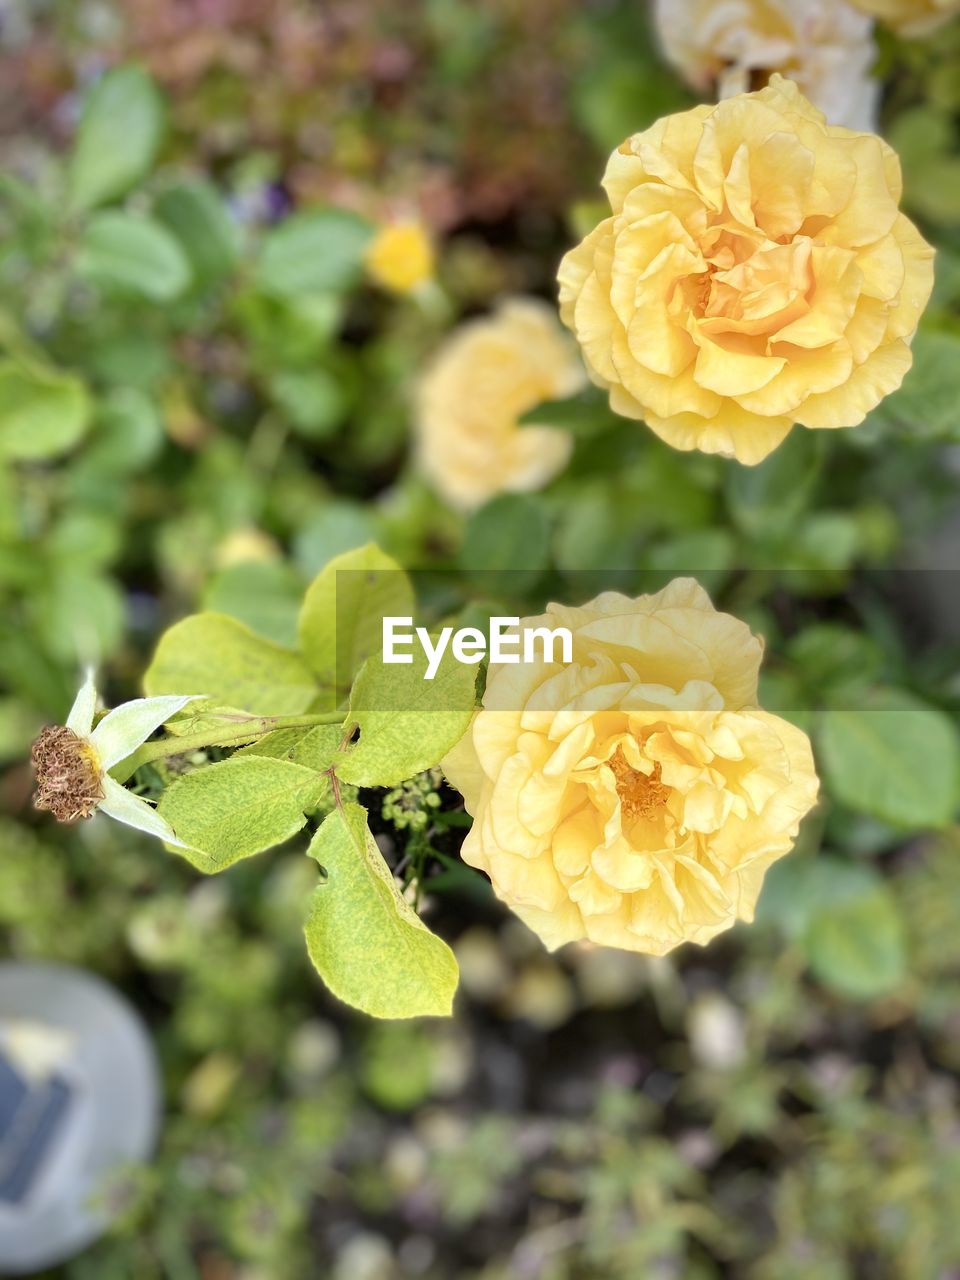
<point>124,728</point>
<point>80,719</point>
<point>124,806</point>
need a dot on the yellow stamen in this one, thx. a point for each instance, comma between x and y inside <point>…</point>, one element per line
<point>641,795</point>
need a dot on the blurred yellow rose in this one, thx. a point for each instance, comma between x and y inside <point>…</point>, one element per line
<point>755,273</point>
<point>482,380</point>
<point>911,17</point>
<point>826,46</point>
<point>636,796</point>
<point>400,257</point>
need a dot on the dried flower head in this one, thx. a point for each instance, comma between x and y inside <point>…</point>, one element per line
<point>69,781</point>
<point>72,760</point>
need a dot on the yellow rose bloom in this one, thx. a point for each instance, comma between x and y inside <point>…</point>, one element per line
<point>756,272</point>
<point>911,17</point>
<point>636,796</point>
<point>480,383</point>
<point>826,46</point>
<point>400,257</point>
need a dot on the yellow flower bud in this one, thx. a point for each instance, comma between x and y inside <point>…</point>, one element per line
<point>400,257</point>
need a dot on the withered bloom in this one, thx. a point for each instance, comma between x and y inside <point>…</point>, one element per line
<point>72,761</point>
<point>69,780</point>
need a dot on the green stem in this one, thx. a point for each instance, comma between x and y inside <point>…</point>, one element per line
<point>235,736</point>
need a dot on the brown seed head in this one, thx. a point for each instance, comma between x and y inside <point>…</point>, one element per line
<point>69,779</point>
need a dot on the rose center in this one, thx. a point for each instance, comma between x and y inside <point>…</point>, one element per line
<point>642,795</point>
<point>69,780</point>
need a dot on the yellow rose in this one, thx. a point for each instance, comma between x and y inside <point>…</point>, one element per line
<point>826,46</point>
<point>755,273</point>
<point>400,257</point>
<point>636,796</point>
<point>911,17</point>
<point>482,380</point>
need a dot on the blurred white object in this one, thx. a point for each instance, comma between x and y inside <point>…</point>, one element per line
<point>716,1031</point>
<point>79,1096</point>
<point>35,1049</point>
<point>365,1257</point>
<point>734,46</point>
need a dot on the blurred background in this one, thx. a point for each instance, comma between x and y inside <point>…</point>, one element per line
<point>205,393</point>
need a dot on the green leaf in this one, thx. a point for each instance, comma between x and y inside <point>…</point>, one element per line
<point>239,807</point>
<point>797,887</point>
<point>18,728</point>
<point>132,254</point>
<point>596,529</point>
<point>586,414</point>
<point>341,622</point>
<point>131,358</point>
<point>288,331</point>
<point>766,499</point>
<point>824,542</point>
<point>857,946</point>
<point>312,399</point>
<point>630,94</point>
<point>923,137</point>
<point>507,543</point>
<point>406,723</point>
<point>84,539</point>
<point>706,552</point>
<point>370,948</point>
<point>928,403</point>
<point>120,132</point>
<point>835,660</point>
<point>894,758</point>
<point>318,251</point>
<point>79,615</point>
<point>263,594</point>
<point>128,432</point>
<point>844,918</point>
<point>218,657</point>
<point>340,525</point>
<point>42,413</point>
<point>197,216</point>
<point>313,748</point>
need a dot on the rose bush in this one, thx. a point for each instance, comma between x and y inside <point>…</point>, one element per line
<point>755,272</point>
<point>637,796</point>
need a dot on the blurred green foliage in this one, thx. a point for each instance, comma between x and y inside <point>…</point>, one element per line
<point>202,402</point>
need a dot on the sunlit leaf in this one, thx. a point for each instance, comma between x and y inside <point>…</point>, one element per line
<point>120,132</point>
<point>239,807</point>
<point>368,945</point>
<point>218,657</point>
<point>341,622</point>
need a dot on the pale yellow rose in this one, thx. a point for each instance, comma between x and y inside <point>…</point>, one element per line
<point>481,382</point>
<point>400,257</point>
<point>731,46</point>
<point>911,17</point>
<point>756,272</point>
<point>636,796</point>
